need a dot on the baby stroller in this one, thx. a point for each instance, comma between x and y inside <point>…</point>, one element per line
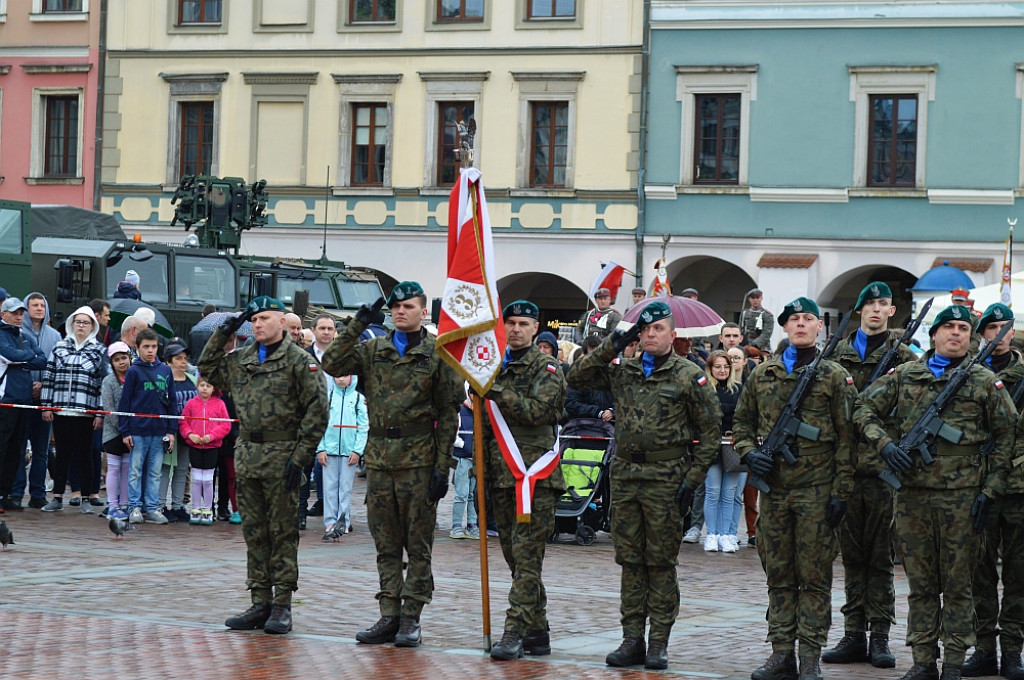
<point>586,446</point>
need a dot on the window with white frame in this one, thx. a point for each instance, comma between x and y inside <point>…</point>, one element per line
<point>451,97</point>
<point>57,133</point>
<point>57,10</point>
<point>715,123</point>
<point>193,130</point>
<point>890,124</point>
<point>366,129</point>
<point>546,144</point>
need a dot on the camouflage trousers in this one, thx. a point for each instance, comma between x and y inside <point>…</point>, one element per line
<point>402,524</point>
<point>865,541</point>
<point>646,532</point>
<point>938,548</point>
<point>522,544</point>
<point>271,531</point>
<point>1005,528</point>
<point>797,549</point>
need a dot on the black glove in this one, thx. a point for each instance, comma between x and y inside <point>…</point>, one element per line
<point>979,511</point>
<point>233,323</point>
<point>759,462</point>
<point>897,458</point>
<point>438,487</point>
<point>622,339</point>
<point>367,314</point>
<point>292,476</point>
<point>834,512</point>
<point>684,499</point>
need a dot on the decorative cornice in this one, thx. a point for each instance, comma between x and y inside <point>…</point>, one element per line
<point>918,68</point>
<point>357,78</point>
<point>721,68</point>
<point>195,77</point>
<point>272,78</point>
<point>37,69</point>
<point>971,196</point>
<point>798,195</point>
<point>521,76</point>
<point>461,53</point>
<point>786,261</point>
<point>453,76</point>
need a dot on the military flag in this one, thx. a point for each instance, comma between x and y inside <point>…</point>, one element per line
<point>1004,287</point>
<point>661,287</point>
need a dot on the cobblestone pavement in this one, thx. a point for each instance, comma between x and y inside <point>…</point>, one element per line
<point>77,602</point>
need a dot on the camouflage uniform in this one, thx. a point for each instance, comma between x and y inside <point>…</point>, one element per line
<point>865,536</point>
<point>656,417</point>
<point>758,337</point>
<point>1005,529</point>
<point>597,322</point>
<point>795,544</point>
<point>530,391</point>
<point>283,412</point>
<point>935,539</point>
<point>414,414</point>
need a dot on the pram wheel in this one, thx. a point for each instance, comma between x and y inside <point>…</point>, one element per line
<point>585,535</point>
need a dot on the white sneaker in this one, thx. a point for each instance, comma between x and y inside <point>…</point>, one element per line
<point>711,543</point>
<point>135,517</point>
<point>728,543</point>
<point>692,535</point>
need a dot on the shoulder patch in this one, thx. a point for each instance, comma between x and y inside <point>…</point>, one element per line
<point>849,380</point>
<point>313,368</point>
<point>702,380</point>
<point>616,361</point>
<point>551,368</point>
<point>891,371</point>
<point>999,384</point>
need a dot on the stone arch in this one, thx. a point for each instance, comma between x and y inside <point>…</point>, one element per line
<point>720,284</point>
<point>561,301</point>
<point>841,293</point>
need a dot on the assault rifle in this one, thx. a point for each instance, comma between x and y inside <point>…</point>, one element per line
<point>888,359</point>
<point>786,429</point>
<point>920,438</point>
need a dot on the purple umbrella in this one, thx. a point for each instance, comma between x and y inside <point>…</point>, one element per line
<point>694,319</point>
<point>211,321</point>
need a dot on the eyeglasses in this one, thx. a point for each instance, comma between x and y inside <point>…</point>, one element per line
<point>79,322</point>
<point>735,360</point>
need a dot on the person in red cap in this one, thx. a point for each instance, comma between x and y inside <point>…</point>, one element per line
<point>600,321</point>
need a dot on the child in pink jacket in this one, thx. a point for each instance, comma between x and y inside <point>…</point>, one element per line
<point>204,436</point>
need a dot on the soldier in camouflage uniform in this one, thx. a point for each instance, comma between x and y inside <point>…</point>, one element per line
<point>941,507</point>
<point>1005,529</point>
<point>279,396</point>
<point>865,536</point>
<point>756,322</point>
<point>796,537</point>
<point>599,321</point>
<point>413,398</point>
<point>663,402</point>
<point>530,392</point>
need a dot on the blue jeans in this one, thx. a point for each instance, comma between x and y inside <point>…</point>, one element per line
<point>337,494</point>
<point>741,483</point>
<point>465,490</point>
<point>147,459</point>
<point>720,514</point>
<point>37,433</point>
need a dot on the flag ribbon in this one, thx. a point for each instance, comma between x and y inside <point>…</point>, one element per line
<point>526,478</point>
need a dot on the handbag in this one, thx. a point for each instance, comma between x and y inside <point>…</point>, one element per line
<point>730,459</point>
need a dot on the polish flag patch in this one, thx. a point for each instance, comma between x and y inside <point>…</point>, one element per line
<point>891,371</point>
<point>551,368</point>
<point>313,368</point>
<point>849,380</point>
<point>702,380</point>
<point>999,384</point>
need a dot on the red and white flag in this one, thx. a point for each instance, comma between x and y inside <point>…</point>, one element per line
<point>610,278</point>
<point>661,287</point>
<point>470,332</point>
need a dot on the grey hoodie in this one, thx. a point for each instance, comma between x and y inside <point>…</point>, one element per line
<point>46,337</point>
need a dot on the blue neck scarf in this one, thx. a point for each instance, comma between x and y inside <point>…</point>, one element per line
<point>937,365</point>
<point>262,352</point>
<point>647,361</point>
<point>401,342</point>
<point>508,358</point>
<point>860,343</point>
<point>789,358</point>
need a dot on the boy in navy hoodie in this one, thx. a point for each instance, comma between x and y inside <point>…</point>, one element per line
<point>147,389</point>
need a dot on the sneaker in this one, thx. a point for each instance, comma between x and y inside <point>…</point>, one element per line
<point>105,512</point>
<point>457,532</point>
<point>155,517</point>
<point>751,541</point>
<point>119,513</point>
<point>223,515</point>
<point>37,503</point>
<point>710,543</point>
<point>235,518</point>
<point>11,503</point>
<point>96,502</point>
<point>473,531</point>
<point>86,509</point>
<point>195,517</point>
<point>135,516</point>
<point>182,514</point>
<point>56,505</point>
<point>692,535</point>
<point>207,517</point>
<point>75,501</point>
<point>169,515</point>
<point>492,533</point>
<point>728,543</point>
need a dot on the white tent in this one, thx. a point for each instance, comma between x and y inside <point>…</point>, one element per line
<point>983,297</point>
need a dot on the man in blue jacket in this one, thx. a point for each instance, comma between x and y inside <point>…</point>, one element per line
<point>19,356</point>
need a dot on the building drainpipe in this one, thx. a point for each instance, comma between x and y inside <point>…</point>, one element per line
<point>101,74</point>
<point>641,175</point>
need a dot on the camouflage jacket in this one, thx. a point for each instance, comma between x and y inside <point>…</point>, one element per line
<point>597,322</point>
<point>530,393</point>
<point>282,395</point>
<point>981,408</point>
<point>1015,473</point>
<point>828,406</point>
<point>758,337</point>
<point>417,392</point>
<point>867,463</point>
<point>1013,374</point>
<point>671,408</point>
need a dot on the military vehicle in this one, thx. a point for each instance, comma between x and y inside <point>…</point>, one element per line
<point>15,242</point>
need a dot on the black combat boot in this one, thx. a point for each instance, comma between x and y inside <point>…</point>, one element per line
<point>280,621</point>
<point>383,631</point>
<point>951,671</point>
<point>657,655</point>
<point>1012,667</point>
<point>878,650</point>
<point>810,669</point>
<point>779,666</point>
<point>408,632</point>
<point>922,671</point>
<point>252,618</point>
<point>510,647</point>
<point>982,662</point>
<point>853,648</point>
<point>537,643</point>
<point>631,652</point>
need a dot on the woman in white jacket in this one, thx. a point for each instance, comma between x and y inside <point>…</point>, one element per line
<point>339,452</point>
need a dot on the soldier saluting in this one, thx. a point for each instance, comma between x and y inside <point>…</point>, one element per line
<point>941,507</point>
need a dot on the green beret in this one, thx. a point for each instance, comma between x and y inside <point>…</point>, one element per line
<point>265,303</point>
<point>801,305</point>
<point>521,308</point>
<point>404,291</point>
<point>995,313</point>
<point>873,291</point>
<point>951,313</point>
<point>654,311</point>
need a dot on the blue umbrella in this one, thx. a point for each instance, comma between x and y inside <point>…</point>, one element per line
<point>211,321</point>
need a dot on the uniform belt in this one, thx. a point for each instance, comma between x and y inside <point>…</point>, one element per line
<point>396,432</point>
<point>266,436</point>
<point>652,456</point>
<point>535,430</point>
<point>944,448</point>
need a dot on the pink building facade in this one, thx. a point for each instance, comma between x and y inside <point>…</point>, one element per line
<point>49,74</point>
